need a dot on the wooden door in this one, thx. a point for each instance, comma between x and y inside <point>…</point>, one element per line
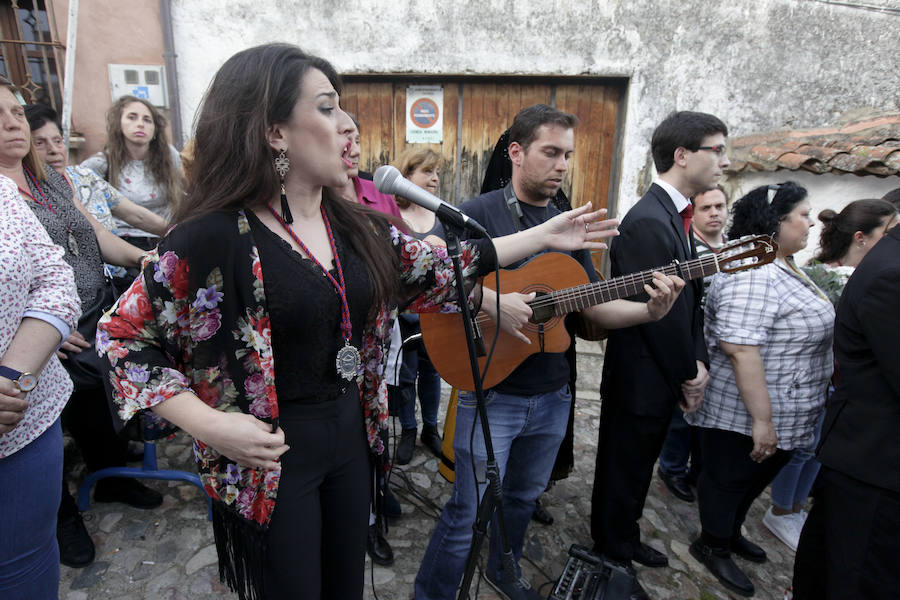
<point>476,112</point>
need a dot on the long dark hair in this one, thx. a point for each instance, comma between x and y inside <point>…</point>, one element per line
<point>233,164</point>
<point>761,210</point>
<point>838,229</point>
<point>159,156</point>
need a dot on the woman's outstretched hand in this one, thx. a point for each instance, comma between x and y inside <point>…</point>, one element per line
<point>580,228</point>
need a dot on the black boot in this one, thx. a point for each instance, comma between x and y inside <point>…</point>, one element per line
<point>405,447</point>
<point>76,548</point>
<point>720,564</point>
<point>377,546</point>
<point>432,439</point>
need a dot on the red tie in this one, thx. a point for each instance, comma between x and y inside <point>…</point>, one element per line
<point>686,215</point>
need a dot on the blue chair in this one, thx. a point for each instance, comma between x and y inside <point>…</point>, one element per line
<point>148,470</point>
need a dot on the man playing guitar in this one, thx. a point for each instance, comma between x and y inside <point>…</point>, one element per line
<point>527,410</point>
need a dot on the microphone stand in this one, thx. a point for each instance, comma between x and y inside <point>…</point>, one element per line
<point>492,501</point>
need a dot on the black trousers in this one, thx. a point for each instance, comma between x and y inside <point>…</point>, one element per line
<point>729,482</point>
<point>626,452</point>
<point>87,419</point>
<point>316,541</point>
<point>850,546</point>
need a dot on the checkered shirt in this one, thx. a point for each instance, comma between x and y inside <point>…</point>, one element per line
<point>792,323</point>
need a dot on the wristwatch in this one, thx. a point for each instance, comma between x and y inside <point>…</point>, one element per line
<point>24,381</point>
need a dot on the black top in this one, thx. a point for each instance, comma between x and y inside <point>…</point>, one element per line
<point>545,371</point>
<point>305,315</point>
<point>862,418</point>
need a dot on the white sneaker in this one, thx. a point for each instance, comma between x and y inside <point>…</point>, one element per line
<point>785,527</point>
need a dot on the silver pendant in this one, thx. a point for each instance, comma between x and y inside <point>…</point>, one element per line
<point>347,361</point>
<point>73,245</point>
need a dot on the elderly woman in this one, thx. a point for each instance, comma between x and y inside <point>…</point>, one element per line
<point>769,334</point>
<point>40,306</point>
<point>87,416</point>
<point>260,322</point>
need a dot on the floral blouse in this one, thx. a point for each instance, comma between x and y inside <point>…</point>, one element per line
<point>197,320</point>
<point>34,281</point>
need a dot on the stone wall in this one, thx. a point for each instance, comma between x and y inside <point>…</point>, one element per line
<point>759,65</point>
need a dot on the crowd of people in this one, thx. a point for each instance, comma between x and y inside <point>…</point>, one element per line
<point>258,303</point>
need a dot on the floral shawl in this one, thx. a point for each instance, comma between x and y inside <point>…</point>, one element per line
<point>197,320</point>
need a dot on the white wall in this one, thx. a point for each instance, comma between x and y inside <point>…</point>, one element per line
<point>825,191</point>
<point>757,64</point>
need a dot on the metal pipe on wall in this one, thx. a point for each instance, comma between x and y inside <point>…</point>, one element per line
<point>69,81</point>
<point>165,17</point>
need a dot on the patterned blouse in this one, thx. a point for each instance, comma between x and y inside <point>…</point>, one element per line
<point>138,185</point>
<point>783,313</point>
<point>100,198</point>
<point>197,320</point>
<point>34,279</point>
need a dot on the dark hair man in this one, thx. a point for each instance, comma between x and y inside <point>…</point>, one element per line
<point>649,369</point>
<point>527,411</point>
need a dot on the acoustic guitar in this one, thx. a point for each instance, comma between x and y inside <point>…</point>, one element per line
<point>561,286</point>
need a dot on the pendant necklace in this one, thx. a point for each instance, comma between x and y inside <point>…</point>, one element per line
<point>347,361</point>
<point>70,241</point>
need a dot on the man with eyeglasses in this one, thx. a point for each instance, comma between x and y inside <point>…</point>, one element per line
<point>649,369</point>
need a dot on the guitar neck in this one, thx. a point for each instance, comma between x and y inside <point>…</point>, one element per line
<point>580,297</point>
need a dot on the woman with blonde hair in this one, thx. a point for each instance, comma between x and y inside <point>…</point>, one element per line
<point>417,374</point>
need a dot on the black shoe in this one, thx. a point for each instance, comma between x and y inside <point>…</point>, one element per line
<point>391,506</point>
<point>721,565</point>
<point>405,447</point>
<point>378,548</point>
<point>127,491</point>
<point>678,485</point>
<point>135,452</point>
<point>637,591</point>
<point>432,439</point>
<point>76,548</point>
<point>649,557</point>
<point>748,550</point>
<point>540,514</point>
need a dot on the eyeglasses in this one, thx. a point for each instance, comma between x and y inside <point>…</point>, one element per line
<point>719,149</point>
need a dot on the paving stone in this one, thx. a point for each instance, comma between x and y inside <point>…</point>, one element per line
<point>205,557</point>
<point>90,576</point>
<point>109,521</point>
<point>168,553</point>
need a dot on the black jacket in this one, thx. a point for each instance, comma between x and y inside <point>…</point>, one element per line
<point>645,365</point>
<point>861,434</point>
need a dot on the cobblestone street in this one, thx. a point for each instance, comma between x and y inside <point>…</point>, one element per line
<point>168,553</point>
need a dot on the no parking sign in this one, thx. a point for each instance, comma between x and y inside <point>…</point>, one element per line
<point>424,114</point>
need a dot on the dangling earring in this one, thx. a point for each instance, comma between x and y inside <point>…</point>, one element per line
<point>282,165</point>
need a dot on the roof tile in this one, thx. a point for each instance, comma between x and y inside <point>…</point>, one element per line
<point>864,146</point>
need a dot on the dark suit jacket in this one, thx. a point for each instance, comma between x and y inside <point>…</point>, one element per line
<point>645,365</point>
<point>861,435</point>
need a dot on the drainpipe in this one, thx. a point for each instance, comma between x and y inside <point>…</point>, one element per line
<point>69,81</point>
<point>165,17</point>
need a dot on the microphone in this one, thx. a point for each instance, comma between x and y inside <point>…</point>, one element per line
<point>388,180</point>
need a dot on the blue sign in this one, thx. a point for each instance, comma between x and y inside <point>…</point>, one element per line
<point>141,91</point>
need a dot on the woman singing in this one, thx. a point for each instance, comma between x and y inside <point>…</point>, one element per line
<point>260,323</point>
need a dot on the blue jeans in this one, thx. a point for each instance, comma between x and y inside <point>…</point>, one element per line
<point>681,444</point>
<point>428,384</point>
<point>526,432</point>
<point>792,484</point>
<point>30,488</point>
